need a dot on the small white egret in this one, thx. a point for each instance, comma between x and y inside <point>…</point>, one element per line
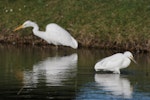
<point>54,34</point>
<point>115,62</point>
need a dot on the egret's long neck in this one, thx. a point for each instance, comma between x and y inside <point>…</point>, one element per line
<point>36,30</point>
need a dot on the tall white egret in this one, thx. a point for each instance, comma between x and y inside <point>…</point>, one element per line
<point>115,62</point>
<point>54,34</point>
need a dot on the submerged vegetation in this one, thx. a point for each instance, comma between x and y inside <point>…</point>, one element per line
<point>117,24</point>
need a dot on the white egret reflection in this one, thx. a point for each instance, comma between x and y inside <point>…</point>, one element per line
<point>114,84</point>
<point>55,71</point>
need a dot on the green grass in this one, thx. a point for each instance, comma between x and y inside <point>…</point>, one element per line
<point>118,23</point>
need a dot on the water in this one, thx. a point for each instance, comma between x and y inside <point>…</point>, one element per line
<point>44,73</point>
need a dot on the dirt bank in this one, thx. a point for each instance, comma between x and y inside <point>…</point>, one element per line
<point>84,42</point>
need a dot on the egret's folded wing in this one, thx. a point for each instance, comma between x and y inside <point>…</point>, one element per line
<point>110,62</point>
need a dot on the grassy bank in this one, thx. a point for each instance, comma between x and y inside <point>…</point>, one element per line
<point>117,24</point>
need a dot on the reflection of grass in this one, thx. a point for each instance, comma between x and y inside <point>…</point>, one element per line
<point>90,21</point>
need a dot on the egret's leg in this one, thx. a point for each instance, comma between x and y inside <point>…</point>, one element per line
<point>56,47</point>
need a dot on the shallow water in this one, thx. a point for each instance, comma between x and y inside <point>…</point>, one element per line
<point>44,73</point>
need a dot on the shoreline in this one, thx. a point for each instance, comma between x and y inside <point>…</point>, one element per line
<point>13,39</point>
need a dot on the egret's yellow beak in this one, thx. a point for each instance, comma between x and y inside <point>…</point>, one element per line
<point>133,60</point>
<point>18,28</point>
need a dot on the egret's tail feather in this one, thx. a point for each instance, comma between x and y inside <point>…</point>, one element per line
<point>97,67</point>
<point>74,43</point>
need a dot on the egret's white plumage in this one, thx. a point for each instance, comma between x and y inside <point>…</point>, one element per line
<point>54,34</point>
<point>115,62</point>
